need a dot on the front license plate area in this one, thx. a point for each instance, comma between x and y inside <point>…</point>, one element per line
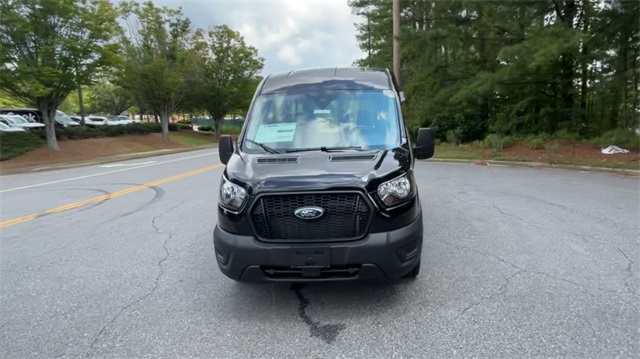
<point>310,258</point>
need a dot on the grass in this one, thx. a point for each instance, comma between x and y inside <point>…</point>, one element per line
<point>470,151</point>
<point>191,139</point>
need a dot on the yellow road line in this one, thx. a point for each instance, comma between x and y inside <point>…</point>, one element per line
<point>73,205</point>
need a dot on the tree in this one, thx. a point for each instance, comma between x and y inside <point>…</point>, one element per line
<point>157,58</point>
<point>471,67</point>
<point>227,71</point>
<point>108,98</point>
<point>49,48</point>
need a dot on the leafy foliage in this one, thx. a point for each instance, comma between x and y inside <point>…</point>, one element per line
<point>108,98</point>
<point>536,142</point>
<point>470,67</point>
<point>84,132</point>
<point>49,48</point>
<point>226,72</point>
<point>619,137</point>
<point>157,58</point>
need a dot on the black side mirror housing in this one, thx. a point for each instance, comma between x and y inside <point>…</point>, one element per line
<point>425,144</point>
<point>225,148</point>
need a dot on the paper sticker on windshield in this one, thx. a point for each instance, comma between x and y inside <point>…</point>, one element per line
<point>277,132</point>
<point>389,93</point>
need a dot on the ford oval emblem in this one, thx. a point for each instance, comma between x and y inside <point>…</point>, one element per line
<point>309,212</point>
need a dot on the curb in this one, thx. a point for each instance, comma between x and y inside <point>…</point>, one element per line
<point>138,155</point>
<point>101,160</point>
<point>619,171</point>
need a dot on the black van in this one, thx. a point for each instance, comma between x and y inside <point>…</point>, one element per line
<point>319,185</point>
<point>34,115</point>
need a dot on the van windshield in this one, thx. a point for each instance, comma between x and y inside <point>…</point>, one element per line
<point>363,119</point>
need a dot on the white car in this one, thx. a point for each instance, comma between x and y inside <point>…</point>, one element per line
<point>5,128</point>
<point>121,119</point>
<point>18,121</point>
<point>102,120</point>
<point>90,121</point>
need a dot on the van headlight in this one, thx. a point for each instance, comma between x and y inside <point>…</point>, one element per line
<point>395,191</point>
<point>232,196</point>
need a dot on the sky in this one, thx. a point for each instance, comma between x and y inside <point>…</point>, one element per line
<point>289,34</point>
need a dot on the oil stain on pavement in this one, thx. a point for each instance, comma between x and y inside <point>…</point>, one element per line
<point>328,332</point>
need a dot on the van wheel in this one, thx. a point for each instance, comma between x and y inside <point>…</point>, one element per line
<point>414,272</point>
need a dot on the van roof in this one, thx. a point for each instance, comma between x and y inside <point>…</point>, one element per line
<point>329,78</point>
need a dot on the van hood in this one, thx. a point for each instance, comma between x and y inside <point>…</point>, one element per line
<point>317,170</point>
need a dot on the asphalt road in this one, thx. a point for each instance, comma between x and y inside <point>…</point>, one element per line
<point>117,262</point>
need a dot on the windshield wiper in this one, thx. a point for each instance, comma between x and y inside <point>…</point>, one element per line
<point>264,147</point>
<point>327,149</point>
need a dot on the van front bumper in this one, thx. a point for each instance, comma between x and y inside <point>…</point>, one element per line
<point>378,256</point>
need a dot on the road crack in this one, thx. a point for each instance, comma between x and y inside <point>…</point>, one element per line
<point>525,270</point>
<point>585,239</point>
<point>328,332</point>
<point>156,283</point>
<point>628,270</point>
<point>501,291</point>
<point>517,217</point>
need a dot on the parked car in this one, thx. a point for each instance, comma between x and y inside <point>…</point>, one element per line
<point>122,119</point>
<point>90,121</point>
<point>6,128</point>
<point>321,186</point>
<point>19,122</point>
<point>103,121</point>
<point>33,115</point>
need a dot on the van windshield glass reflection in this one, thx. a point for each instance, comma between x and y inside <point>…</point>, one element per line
<point>335,118</point>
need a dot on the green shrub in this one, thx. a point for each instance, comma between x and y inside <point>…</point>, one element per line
<point>152,127</point>
<point>454,136</point>
<point>566,135</point>
<point>84,132</point>
<point>13,144</point>
<point>230,130</point>
<point>536,142</point>
<point>497,142</point>
<point>551,150</point>
<point>206,129</point>
<point>622,138</point>
<point>184,126</point>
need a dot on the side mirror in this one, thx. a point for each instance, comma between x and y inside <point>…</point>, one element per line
<point>425,144</point>
<point>225,148</point>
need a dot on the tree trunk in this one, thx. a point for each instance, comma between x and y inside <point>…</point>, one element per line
<point>216,123</point>
<point>48,116</point>
<point>634,118</point>
<point>81,105</point>
<point>164,123</point>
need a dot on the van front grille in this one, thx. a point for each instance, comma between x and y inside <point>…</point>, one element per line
<point>346,217</point>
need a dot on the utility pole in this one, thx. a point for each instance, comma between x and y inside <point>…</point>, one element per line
<point>396,42</point>
<point>369,38</point>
